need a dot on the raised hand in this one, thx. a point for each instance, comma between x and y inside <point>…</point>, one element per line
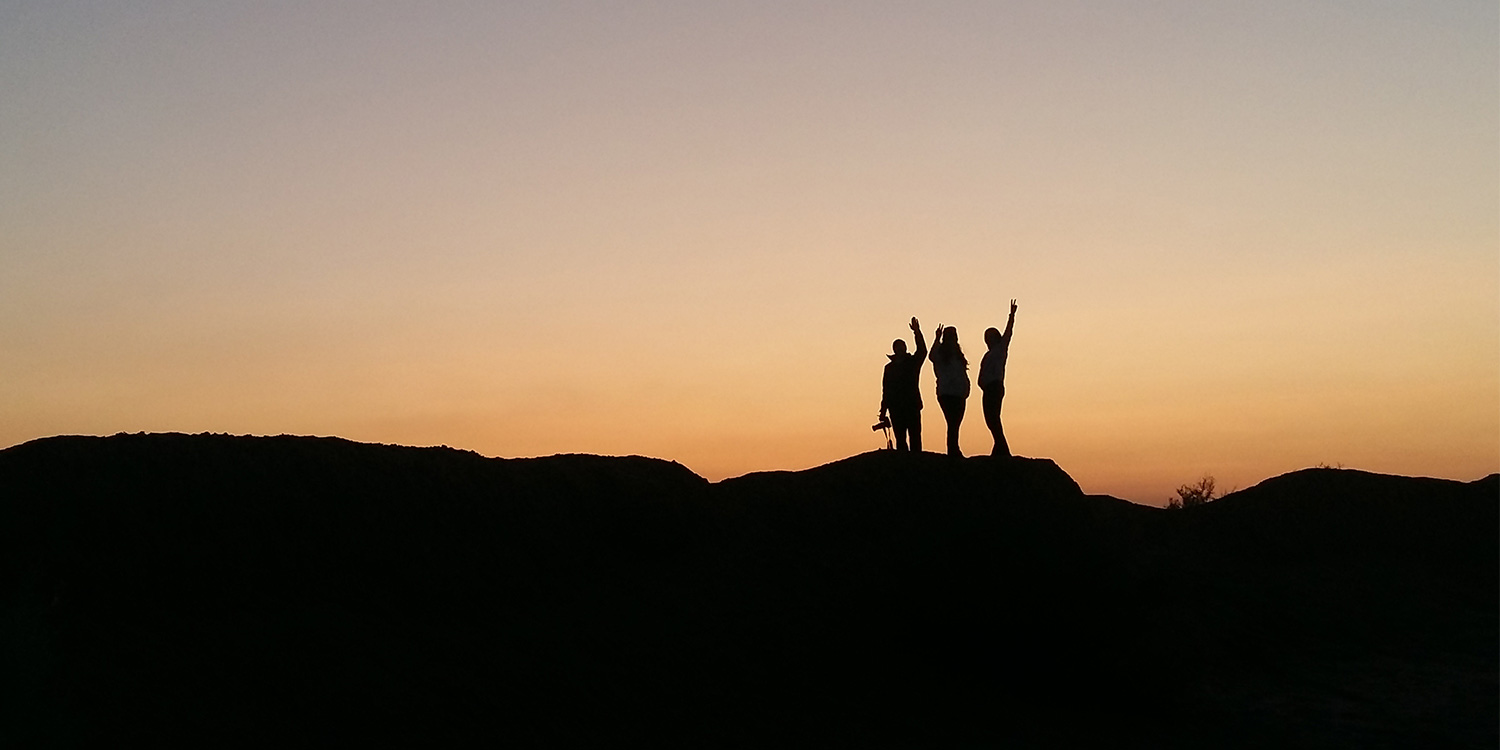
<point>1012,307</point>
<point>914,325</point>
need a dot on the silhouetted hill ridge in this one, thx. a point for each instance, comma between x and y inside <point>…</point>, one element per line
<point>212,587</point>
<point>1346,513</point>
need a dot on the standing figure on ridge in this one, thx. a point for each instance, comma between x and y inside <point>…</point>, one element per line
<point>899,393</point>
<point>952,371</point>
<point>992,380</point>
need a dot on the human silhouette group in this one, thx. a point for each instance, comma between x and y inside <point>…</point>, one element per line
<point>901,397</point>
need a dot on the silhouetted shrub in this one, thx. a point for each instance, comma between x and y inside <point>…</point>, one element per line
<point>1189,495</point>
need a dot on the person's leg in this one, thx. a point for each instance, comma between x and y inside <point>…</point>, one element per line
<point>899,426</point>
<point>1002,448</point>
<point>953,412</point>
<point>958,419</point>
<point>916,430</point>
<point>991,405</point>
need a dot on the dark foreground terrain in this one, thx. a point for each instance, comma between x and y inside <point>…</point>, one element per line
<point>214,590</point>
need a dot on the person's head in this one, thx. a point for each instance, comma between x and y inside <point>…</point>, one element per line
<point>992,337</point>
<point>898,347</point>
<point>947,348</point>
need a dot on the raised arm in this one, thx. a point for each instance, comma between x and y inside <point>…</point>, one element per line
<point>1009,324</point>
<point>916,330</point>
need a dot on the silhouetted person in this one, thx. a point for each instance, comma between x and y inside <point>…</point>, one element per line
<point>992,380</point>
<point>899,393</point>
<point>952,371</point>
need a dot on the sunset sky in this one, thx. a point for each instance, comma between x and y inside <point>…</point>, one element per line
<point>1245,238</point>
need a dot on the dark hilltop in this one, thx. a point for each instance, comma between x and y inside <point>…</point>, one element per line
<point>214,590</point>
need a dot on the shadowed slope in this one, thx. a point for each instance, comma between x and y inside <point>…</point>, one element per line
<point>222,586</point>
<point>207,588</point>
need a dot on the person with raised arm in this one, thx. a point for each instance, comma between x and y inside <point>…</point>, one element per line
<point>992,380</point>
<point>952,371</point>
<point>900,396</point>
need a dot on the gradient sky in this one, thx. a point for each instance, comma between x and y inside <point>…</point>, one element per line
<point>1246,238</point>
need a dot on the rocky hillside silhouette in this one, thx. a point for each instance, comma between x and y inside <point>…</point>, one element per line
<point>242,590</point>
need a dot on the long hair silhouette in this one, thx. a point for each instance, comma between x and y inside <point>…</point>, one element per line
<point>947,349</point>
